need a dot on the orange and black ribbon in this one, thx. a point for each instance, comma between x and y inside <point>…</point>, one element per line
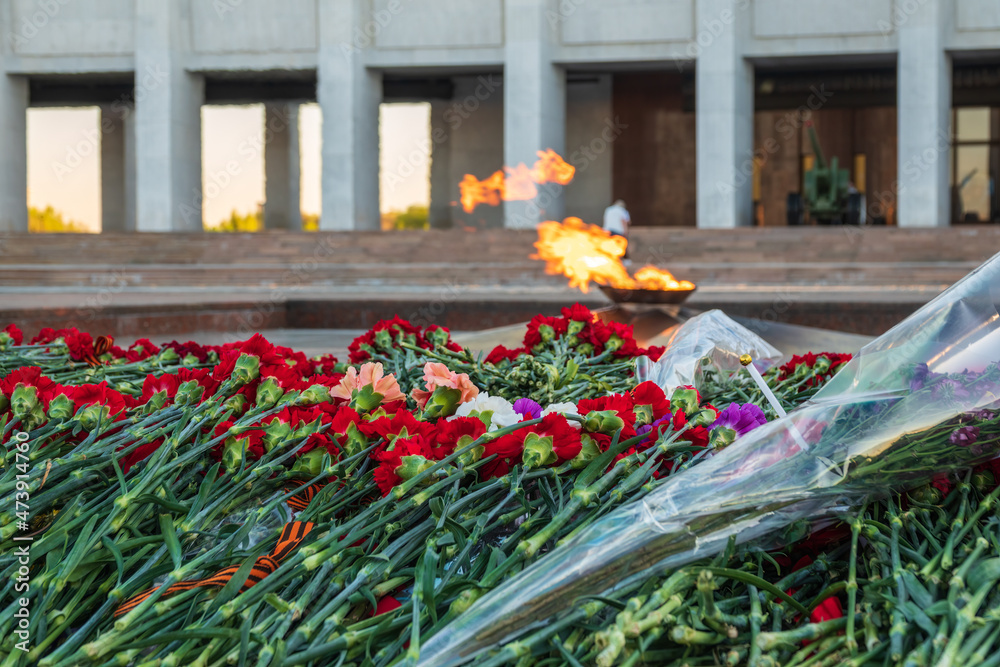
<point>289,540</point>
<point>301,500</point>
<point>101,346</point>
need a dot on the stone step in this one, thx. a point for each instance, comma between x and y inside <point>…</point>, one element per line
<point>659,245</point>
<point>524,273</point>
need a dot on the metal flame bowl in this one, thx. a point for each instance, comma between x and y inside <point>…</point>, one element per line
<point>659,297</point>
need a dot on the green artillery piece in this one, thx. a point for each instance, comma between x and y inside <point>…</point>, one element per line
<point>827,191</point>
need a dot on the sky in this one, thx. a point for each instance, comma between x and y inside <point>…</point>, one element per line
<point>64,159</point>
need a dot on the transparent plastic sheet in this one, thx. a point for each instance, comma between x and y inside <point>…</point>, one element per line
<point>887,421</point>
<point>711,336</point>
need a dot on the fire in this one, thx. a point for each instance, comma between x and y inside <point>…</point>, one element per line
<point>515,183</point>
<point>586,253</point>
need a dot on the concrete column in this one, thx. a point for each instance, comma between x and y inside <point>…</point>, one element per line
<point>443,189</point>
<point>924,108</point>
<point>534,104</point>
<point>282,167</point>
<point>724,119</point>
<point>14,141</point>
<point>349,95</point>
<point>130,198</point>
<point>113,168</point>
<point>168,122</point>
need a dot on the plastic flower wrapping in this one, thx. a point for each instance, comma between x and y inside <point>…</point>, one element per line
<point>920,401</point>
<point>708,340</point>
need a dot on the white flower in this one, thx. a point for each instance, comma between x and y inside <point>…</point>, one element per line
<point>503,411</point>
<point>563,409</point>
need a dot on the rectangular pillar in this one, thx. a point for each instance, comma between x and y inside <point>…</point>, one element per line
<point>129,121</point>
<point>534,104</point>
<point>14,141</point>
<point>924,117</point>
<point>724,120</point>
<point>349,95</point>
<point>168,123</point>
<point>443,187</point>
<point>114,200</point>
<point>282,209</point>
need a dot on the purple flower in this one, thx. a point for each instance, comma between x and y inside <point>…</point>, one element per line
<point>920,374</point>
<point>527,408</point>
<point>947,387</point>
<point>741,418</point>
<point>964,436</point>
<point>977,416</point>
<point>646,428</point>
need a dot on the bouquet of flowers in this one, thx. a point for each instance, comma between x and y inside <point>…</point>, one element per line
<point>921,401</point>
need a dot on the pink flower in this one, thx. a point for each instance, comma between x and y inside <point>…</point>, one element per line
<point>438,375</point>
<point>371,374</point>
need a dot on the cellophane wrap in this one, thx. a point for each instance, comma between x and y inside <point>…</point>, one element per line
<point>708,340</point>
<point>921,400</point>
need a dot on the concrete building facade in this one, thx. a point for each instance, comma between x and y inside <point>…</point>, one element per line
<point>665,100</point>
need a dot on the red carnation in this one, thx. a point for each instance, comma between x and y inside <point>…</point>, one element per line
<point>389,460</point>
<point>533,336</point>
<point>500,354</point>
<point>141,453</point>
<point>324,364</point>
<point>99,394</point>
<point>649,393</point>
<point>385,605</point>
<point>30,376</point>
<point>654,352</point>
<point>80,344</point>
<point>154,384</point>
<point>696,435</point>
<point>508,449</point>
<point>14,333</point>
<point>390,427</point>
<point>141,349</point>
<point>448,432</point>
<point>200,375</point>
<point>622,404</point>
<point>184,349</point>
<point>578,312</point>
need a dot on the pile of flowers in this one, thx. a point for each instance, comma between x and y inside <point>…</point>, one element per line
<point>240,503</point>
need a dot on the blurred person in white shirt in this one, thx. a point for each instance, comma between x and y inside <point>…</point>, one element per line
<point>617,221</point>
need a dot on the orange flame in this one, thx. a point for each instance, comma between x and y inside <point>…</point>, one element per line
<point>515,183</point>
<point>586,253</point>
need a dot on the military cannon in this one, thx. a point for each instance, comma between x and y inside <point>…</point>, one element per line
<point>827,194</point>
